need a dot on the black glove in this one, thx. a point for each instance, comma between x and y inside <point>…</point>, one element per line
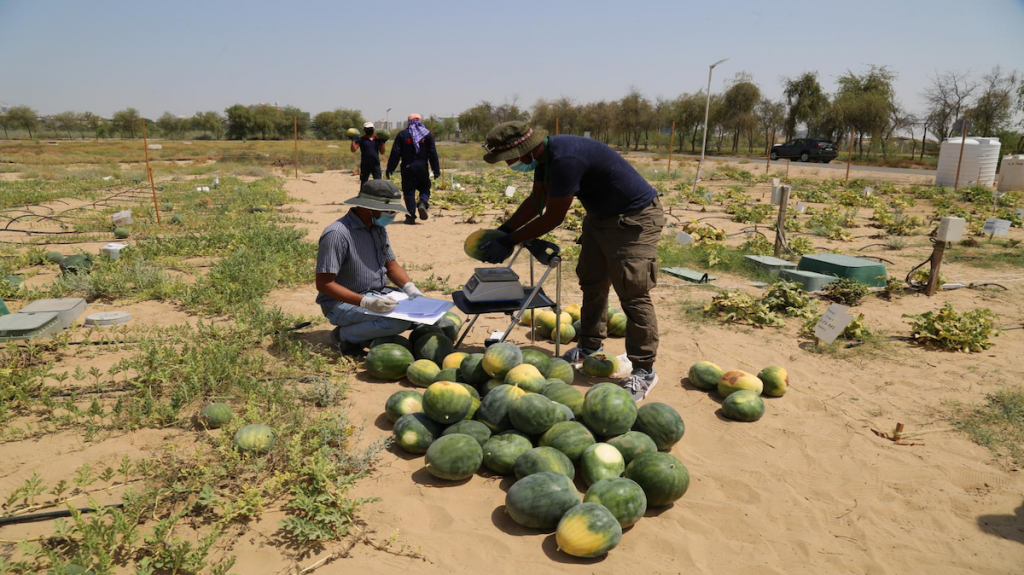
<point>437,175</point>
<point>498,250</point>
<point>505,228</point>
<point>388,173</point>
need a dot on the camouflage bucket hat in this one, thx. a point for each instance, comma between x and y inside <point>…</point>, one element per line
<point>511,140</point>
<point>380,195</point>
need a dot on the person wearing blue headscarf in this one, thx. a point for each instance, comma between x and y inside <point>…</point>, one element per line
<point>414,150</point>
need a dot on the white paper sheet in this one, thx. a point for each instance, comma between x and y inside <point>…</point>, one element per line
<point>420,310</point>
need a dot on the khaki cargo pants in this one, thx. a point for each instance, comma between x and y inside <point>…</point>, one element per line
<point>621,252</point>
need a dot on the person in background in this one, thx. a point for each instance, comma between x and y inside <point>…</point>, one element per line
<point>619,243</point>
<point>353,265</point>
<point>414,149</point>
<point>370,148</point>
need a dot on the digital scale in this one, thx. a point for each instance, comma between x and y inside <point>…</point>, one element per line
<point>493,284</point>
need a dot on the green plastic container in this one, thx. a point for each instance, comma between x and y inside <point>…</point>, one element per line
<point>867,272</point>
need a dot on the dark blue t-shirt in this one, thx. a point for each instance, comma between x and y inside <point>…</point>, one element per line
<point>369,153</point>
<point>606,184</point>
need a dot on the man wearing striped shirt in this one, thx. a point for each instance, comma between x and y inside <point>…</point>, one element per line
<point>353,265</point>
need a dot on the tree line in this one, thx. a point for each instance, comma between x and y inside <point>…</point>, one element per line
<point>864,104</point>
<point>238,122</point>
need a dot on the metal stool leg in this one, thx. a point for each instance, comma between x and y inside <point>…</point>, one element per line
<point>465,332</point>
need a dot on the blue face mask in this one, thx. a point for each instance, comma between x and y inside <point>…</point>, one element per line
<point>384,220</point>
<point>521,167</point>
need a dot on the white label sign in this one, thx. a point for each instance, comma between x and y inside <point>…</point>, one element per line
<point>683,238</point>
<point>123,218</point>
<point>801,207</point>
<point>510,191</point>
<point>832,323</point>
<point>868,190</point>
<point>996,226</point>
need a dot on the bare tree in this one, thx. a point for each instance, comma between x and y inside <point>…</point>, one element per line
<point>993,109</point>
<point>771,119</point>
<point>948,98</point>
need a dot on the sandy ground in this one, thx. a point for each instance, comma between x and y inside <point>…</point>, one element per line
<point>807,489</point>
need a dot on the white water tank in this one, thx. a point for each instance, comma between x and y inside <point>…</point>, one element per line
<point>979,165</point>
<point>1011,175</point>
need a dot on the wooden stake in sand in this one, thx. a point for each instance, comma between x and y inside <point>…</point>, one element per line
<point>671,136</point>
<point>296,125</point>
<point>770,145</point>
<point>849,158</point>
<point>149,171</point>
<point>780,226</point>
<point>935,262</point>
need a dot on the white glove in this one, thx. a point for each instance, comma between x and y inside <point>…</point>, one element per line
<point>412,291</point>
<point>378,304</point>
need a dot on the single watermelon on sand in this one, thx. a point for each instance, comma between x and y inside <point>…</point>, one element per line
<point>663,478</point>
<point>588,530</point>
<point>775,379</point>
<point>705,375</point>
<point>402,403</point>
<point>623,497</point>
<point>256,439</point>
<point>454,457</point>
<point>662,423</point>
<point>736,380</point>
<point>216,415</point>
<point>388,361</point>
<point>743,405</point>
<point>541,500</point>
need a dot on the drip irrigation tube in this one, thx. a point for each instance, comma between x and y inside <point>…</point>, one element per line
<point>54,514</point>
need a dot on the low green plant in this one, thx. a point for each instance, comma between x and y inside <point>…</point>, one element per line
<point>757,245</point>
<point>801,246</point>
<point>846,291</point>
<point>856,330</point>
<point>997,424</point>
<point>950,330</point>
<point>738,307</point>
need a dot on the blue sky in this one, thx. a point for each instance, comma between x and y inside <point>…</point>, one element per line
<point>444,56</point>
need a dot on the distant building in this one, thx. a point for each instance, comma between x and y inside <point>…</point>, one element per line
<point>4,107</point>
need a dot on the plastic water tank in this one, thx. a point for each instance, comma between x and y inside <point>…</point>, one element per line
<point>1011,175</point>
<point>981,155</point>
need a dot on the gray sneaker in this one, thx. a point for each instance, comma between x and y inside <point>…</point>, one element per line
<point>346,347</point>
<point>639,383</point>
<point>578,354</point>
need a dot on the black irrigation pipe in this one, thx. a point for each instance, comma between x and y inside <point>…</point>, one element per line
<point>54,514</point>
<point>870,246</point>
<point>880,259</point>
<point>41,217</point>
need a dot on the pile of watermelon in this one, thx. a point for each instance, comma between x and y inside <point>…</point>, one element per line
<point>545,322</point>
<point>740,391</point>
<point>514,412</point>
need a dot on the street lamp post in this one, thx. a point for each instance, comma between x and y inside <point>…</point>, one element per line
<point>704,143</point>
<point>387,118</point>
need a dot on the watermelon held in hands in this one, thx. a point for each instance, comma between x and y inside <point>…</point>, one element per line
<point>533,414</point>
<point>542,459</point>
<point>623,497</point>
<point>352,133</point>
<point>472,369</point>
<point>736,380</point>
<point>398,339</point>
<point>560,369</point>
<point>402,403</point>
<point>500,358</point>
<point>600,364</point>
<point>743,405</point>
<point>572,438</point>
<point>217,415</point>
<point>775,379</point>
<point>415,432</point>
<point>537,359</point>
<point>501,451</point>
<point>662,423</point>
<point>601,461</point>
<point>454,360</point>
<point>446,402</point>
<point>454,457</point>
<point>527,377</point>
<point>479,238</point>
<point>388,361</point>
<point>617,325</point>
<point>541,500</point>
<point>256,438</point>
<point>633,444</point>
<point>478,431</point>
<point>422,372</point>
<point>588,530</point>
<point>609,410</point>
<point>383,135</point>
<point>434,347</point>
<point>663,478</point>
<point>705,375</point>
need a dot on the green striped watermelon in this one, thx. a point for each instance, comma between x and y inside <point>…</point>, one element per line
<point>527,377</point>
<point>571,438</point>
<point>478,431</point>
<point>433,346</point>
<point>493,410</point>
<point>449,374</point>
<point>414,432</point>
<point>541,459</point>
<point>601,461</point>
<point>623,497</point>
<point>533,414</point>
<point>502,450</point>
<point>617,325</point>
<point>500,358</point>
<point>632,444</point>
<point>775,379</point>
<point>255,438</point>
<point>663,478</point>
<point>454,457</point>
<point>399,339</point>
<point>662,423</point>
<point>743,405</point>
<point>565,394</point>
<point>705,375</point>
<point>217,415</point>
<point>588,530</point>
<point>560,369</point>
<point>540,500</point>
<point>489,386</point>
<point>537,359</point>
<point>600,364</point>
<point>454,360</point>
<point>402,403</point>
<point>422,372</point>
<point>609,410</point>
<point>472,369</point>
<point>446,402</point>
<point>388,361</point>
<point>424,330</point>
